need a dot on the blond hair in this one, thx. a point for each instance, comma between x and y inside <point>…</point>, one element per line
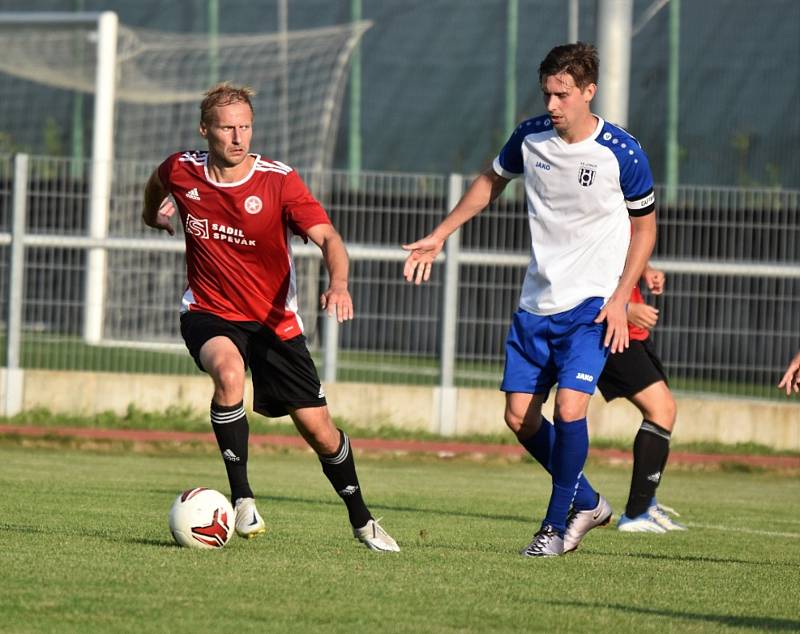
<point>224,94</point>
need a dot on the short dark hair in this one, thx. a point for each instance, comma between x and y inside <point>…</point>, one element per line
<point>224,94</point>
<point>580,60</point>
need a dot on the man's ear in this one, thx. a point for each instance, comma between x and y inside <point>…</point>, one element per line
<point>203,130</point>
<point>589,92</point>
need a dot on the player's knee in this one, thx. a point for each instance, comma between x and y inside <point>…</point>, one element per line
<point>318,429</point>
<point>229,381</point>
<point>663,412</point>
<point>569,411</point>
<point>513,420</point>
<point>670,412</point>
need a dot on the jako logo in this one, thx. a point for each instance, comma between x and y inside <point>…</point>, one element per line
<point>584,377</point>
<point>543,166</point>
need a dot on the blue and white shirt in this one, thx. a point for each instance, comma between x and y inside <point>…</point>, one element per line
<point>580,197</point>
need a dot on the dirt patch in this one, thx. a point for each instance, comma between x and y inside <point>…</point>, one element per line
<point>440,449</point>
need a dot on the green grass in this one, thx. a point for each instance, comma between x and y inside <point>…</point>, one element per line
<point>56,352</point>
<point>85,547</point>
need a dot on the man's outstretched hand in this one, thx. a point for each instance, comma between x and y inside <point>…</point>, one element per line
<point>419,262</point>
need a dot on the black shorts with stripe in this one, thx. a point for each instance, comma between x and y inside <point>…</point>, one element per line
<point>629,372</point>
<point>284,375</point>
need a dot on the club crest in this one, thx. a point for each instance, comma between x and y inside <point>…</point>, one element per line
<point>253,204</point>
<point>586,174</point>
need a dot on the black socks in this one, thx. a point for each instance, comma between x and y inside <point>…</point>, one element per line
<point>650,452</point>
<point>340,469</point>
<point>232,431</point>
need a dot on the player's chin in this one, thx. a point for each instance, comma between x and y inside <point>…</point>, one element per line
<point>235,157</point>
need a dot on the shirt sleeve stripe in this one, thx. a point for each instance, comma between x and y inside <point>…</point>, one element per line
<point>500,171</point>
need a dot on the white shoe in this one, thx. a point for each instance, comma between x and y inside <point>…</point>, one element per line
<point>659,514</point>
<point>249,523</point>
<point>581,522</point>
<point>374,537</point>
<point>643,523</point>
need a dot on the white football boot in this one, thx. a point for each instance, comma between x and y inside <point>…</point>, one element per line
<point>545,543</point>
<point>581,522</point>
<point>660,516</point>
<point>374,537</point>
<point>249,523</point>
<point>643,523</point>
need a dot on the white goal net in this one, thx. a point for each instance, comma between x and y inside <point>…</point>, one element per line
<point>48,79</point>
<point>161,77</point>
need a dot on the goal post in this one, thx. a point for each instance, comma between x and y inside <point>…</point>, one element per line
<point>147,86</point>
<point>106,24</point>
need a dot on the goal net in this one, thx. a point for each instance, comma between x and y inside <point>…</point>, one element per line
<point>47,77</point>
<point>161,77</point>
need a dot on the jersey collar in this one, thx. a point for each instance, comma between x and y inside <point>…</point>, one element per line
<point>236,183</point>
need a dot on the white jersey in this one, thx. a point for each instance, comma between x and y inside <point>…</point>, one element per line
<point>580,197</point>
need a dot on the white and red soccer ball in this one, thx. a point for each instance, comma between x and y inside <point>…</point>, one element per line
<point>201,518</point>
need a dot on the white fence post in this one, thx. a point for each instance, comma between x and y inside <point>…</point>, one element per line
<point>447,393</point>
<point>16,289</point>
<point>102,162</point>
<point>331,348</point>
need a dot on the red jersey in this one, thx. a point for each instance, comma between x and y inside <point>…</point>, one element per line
<point>635,332</point>
<point>238,256</point>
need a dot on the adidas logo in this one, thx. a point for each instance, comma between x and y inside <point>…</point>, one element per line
<point>348,490</point>
<point>230,456</point>
<point>654,477</point>
<point>193,194</point>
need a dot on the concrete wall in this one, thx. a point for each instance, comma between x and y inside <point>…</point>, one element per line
<point>775,424</point>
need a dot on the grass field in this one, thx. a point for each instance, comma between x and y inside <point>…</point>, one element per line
<point>85,547</point>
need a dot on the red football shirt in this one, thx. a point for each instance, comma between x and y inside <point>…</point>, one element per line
<point>635,332</point>
<point>238,256</point>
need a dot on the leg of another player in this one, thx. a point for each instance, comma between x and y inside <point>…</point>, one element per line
<point>223,362</point>
<point>523,416</point>
<point>651,448</point>
<point>332,446</point>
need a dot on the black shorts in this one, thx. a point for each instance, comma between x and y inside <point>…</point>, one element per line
<point>284,375</point>
<point>629,372</point>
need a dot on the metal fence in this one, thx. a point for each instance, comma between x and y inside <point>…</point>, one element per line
<point>728,318</point>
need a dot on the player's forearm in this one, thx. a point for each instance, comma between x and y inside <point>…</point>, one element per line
<point>154,194</point>
<point>337,262</point>
<point>483,190</point>
<point>643,239</point>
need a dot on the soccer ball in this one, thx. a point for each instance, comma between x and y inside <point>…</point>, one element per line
<point>201,518</point>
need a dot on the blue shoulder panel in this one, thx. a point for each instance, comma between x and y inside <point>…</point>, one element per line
<point>510,156</point>
<point>636,179</point>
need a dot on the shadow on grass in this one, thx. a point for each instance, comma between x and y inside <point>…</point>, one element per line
<point>700,559</point>
<point>80,531</point>
<point>754,622</point>
<point>162,543</point>
<point>399,509</point>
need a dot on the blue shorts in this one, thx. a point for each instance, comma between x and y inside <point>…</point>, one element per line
<point>565,348</point>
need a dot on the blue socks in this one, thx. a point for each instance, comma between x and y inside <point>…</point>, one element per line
<point>540,446</point>
<point>570,449</point>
